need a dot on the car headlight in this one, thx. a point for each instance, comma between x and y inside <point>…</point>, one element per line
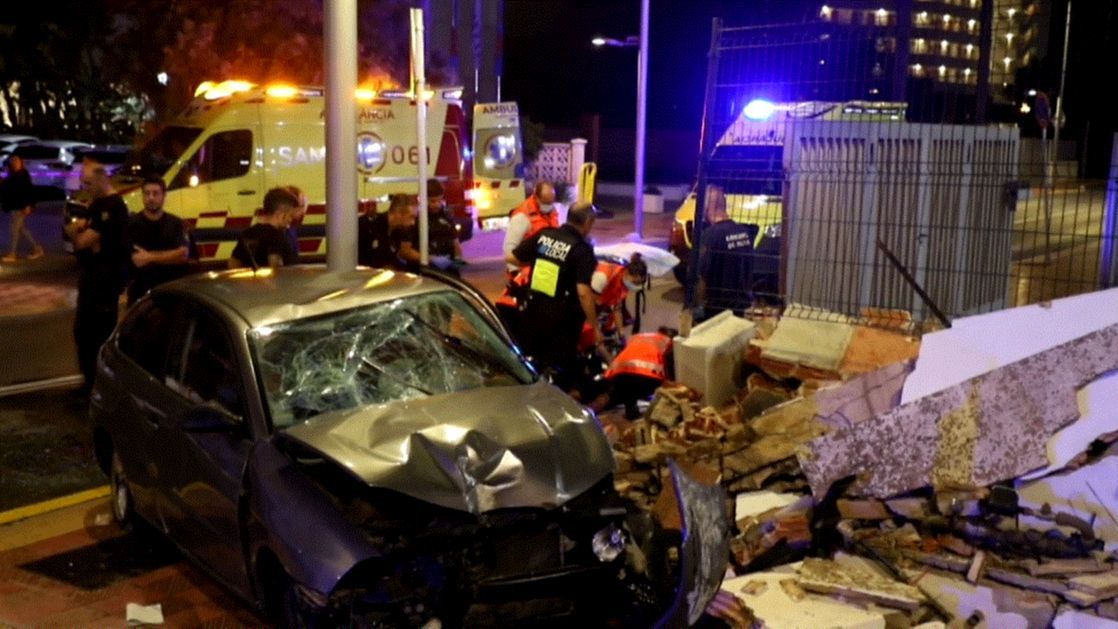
<point>608,543</point>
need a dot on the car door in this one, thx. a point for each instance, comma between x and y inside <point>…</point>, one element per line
<point>140,402</point>
<point>205,449</point>
<point>219,184</point>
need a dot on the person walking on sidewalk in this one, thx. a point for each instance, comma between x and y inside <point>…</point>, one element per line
<point>159,242</point>
<point>17,196</point>
<point>100,243</point>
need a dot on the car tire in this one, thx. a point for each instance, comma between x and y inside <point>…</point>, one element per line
<point>123,504</point>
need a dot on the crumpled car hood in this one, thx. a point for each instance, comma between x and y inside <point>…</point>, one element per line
<point>475,451</point>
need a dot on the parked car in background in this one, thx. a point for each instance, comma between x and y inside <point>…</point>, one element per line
<point>368,448</point>
<point>112,156</point>
<point>48,161</point>
<point>9,142</point>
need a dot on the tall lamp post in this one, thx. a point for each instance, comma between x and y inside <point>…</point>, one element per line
<point>640,42</point>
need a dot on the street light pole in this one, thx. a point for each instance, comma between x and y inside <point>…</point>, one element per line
<point>642,92</point>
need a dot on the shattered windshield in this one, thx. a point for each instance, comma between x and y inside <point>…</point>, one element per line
<point>398,350</point>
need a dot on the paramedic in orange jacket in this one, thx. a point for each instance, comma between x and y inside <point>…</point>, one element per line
<point>639,369</point>
<point>611,284</point>
<point>535,214</point>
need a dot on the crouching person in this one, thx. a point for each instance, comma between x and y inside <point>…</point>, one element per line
<point>639,369</point>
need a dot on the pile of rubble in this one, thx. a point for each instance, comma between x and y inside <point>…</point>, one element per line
<point>863,492</point>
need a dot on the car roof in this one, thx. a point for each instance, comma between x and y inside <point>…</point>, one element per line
<point>14,138</point>
<point>268,297</point>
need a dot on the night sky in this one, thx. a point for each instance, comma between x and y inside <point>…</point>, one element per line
<point>556,75</point>
<point>550,40</point>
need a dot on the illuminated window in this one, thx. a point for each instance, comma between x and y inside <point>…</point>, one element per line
<point>1011,13</point>
<point>825,12</point>
<point>922,17</point>
<point>1009,39</point>
<point>946,19</point>
<point>942,70</point>
<point>970,50</point>
<point>943,47</point>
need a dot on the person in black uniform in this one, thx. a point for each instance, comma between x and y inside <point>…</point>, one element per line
<point>725,260</point>
<point>560,298</point>
<point>385,240</point>
<point>101,248</point>
<point>443,248</point>
<point>265,244</point>
<point>160,245</point>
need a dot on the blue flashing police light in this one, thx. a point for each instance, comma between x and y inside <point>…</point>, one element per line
<point>759,109</point>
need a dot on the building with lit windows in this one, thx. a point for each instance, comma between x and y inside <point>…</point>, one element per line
<point>951,50</point>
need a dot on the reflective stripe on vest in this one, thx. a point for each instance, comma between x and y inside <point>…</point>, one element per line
<point>614,292</point>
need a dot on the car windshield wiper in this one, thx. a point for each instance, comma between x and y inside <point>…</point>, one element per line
<point>459,343</point>
<point>383,371</point>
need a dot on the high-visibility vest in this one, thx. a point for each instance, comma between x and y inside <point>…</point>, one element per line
<point>615,291</point>
<point>537,219</point>
<point>643,356</point>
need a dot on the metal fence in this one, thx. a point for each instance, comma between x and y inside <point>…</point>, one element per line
<point>880,188</point>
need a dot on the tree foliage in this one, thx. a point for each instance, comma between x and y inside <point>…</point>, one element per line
<point>89,70</point>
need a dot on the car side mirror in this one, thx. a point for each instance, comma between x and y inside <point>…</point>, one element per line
<point>211,418</point>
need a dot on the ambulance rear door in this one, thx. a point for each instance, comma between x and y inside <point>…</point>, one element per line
<point>498,163</point>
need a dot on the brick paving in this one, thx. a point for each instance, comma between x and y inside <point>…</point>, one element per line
<point>30,598</point>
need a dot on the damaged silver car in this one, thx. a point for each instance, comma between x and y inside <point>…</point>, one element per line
<point>368,448</point>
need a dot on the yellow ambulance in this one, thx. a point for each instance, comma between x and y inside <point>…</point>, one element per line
<point>236,140</point>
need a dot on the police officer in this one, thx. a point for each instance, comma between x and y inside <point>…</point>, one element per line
<point>725,260</point>
<point>100,245</point>
<point>443,247</point>
<point>560,298</point>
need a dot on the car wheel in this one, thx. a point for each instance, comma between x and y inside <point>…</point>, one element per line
<point>124,507</point>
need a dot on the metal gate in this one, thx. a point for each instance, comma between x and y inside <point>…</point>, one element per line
<point>862,208</point>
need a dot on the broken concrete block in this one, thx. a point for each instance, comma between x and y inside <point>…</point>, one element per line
<point>861,398</point>
<point>987,429</point>
<point>872,348</point>
<point>1000,606</point>
<point>910,508</point>
<point>981,343</point>
<point>758,401</point>
<point>977,565</point>
<point>709,359</point>
<point>811,337</point>
<point>753,504</point>
<point>1097,420</point>
<point>853,583</point>
<point>1103,585</point>
<point>863,509</point>
<point>1064,567</point>
<point>775,607</point>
